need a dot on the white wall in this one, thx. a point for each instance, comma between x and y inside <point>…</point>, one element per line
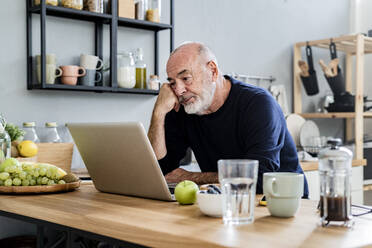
<point>256,37</point>
<point>252,37</point>
<point>248,37</point>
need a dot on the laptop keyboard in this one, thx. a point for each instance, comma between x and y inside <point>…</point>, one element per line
<point>171,187</point>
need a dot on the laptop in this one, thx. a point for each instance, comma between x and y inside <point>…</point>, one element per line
<point>120,159</point>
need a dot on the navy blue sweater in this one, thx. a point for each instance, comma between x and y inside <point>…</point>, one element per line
<point>249,125</point>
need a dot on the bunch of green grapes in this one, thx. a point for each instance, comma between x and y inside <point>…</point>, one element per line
<point>29,174</point>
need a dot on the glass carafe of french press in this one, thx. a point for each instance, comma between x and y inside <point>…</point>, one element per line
<point>335,184</point>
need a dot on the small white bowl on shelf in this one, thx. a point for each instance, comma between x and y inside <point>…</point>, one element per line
<point>209,204</point>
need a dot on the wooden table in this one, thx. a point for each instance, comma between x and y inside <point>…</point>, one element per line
<point>134,221</point>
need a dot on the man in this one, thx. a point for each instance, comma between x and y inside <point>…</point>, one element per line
<point>219,118</point>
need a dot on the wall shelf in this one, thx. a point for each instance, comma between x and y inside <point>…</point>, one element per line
<point>353,45</point>
<point>99,89</point>
<point>334,115</point>
<point>72,13</point>
<point>133,23</point>
<point>346,43</point>
<point>99,20</point>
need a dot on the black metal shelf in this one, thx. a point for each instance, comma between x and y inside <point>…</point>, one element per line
<point>133,23</point>
<point>71,87</point>
<point>73,14</point>
<point>93,88</point>
<point>99,20</point>
<point>104,18</point>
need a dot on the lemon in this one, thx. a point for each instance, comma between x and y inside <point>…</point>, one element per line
<point>27,148</point>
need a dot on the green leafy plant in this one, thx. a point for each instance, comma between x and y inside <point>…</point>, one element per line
<point>14,132</point>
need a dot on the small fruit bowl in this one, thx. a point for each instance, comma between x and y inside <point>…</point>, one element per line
<point>209,204</point>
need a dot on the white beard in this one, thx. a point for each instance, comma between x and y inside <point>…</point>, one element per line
<point>202,102</point>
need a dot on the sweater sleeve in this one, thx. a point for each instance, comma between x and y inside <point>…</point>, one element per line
<point>264,133</point>
<point>176,142</point>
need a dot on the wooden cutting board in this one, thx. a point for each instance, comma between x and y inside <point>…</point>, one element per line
<point>59,154</point>
<point>38,189</point>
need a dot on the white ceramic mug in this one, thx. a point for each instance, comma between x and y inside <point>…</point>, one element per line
<point>52,72</point>
<point>49,59</point>
<point>283,192</point>
<point>91,62</point>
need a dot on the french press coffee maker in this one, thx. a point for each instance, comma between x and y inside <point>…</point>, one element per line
<point>335,184</point>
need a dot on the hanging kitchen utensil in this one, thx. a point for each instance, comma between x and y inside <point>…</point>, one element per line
<point>336,82</point>
<point>331,69</point>
<point>310,82</point>
<point>304,68</point>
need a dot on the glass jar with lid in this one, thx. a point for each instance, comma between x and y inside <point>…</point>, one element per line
<point>140,8</point>
<point>153,13</point>
<point>94,5</point>
<point>29,128</point>
<point>49,2</point>
<point>51,133</point>
<point>335,184</point>
<point>74,4</point>
<point>154,83</point>
<point>126,70</point>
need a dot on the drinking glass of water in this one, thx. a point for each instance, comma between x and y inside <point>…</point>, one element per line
<point>238,180</point>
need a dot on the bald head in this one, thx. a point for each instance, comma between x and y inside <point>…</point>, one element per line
<point>193,50</point>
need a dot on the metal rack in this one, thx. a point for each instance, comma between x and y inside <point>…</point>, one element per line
<point>250,77</point>
<point>99,19</point>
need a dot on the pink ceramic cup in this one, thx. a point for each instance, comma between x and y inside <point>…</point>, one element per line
<point>69,80</point>
<point>70,73</point>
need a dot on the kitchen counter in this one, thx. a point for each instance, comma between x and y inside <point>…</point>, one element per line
<point>154,223</point>
<point>312,166</point>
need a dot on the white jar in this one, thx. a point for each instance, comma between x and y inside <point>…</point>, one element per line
<point>126,70</point>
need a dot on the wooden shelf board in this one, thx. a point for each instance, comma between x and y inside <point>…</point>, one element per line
<point>345,43</point>
<point>334,115</point>
<point>311,166</point>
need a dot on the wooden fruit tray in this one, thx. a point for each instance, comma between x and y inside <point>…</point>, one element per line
<point>38,189</point>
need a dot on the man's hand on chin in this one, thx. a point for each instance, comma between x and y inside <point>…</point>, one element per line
<point>178,175</point>
<point>166,101</point>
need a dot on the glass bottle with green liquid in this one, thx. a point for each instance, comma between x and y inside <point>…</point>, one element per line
<point>140,70</point>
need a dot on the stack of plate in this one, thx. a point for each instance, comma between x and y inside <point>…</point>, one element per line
<point>302,131</point>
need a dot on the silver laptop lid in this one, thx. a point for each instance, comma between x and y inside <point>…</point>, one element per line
<point>120,159</point>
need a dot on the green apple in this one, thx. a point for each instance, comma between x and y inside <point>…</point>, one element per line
<point>185,192</point>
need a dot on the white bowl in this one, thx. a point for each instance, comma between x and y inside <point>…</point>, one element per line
<point>210,204</point>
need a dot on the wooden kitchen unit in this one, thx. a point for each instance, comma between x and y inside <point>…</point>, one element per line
<point>357,46</point>
<point>135,222</point>
<point>313,166</point>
